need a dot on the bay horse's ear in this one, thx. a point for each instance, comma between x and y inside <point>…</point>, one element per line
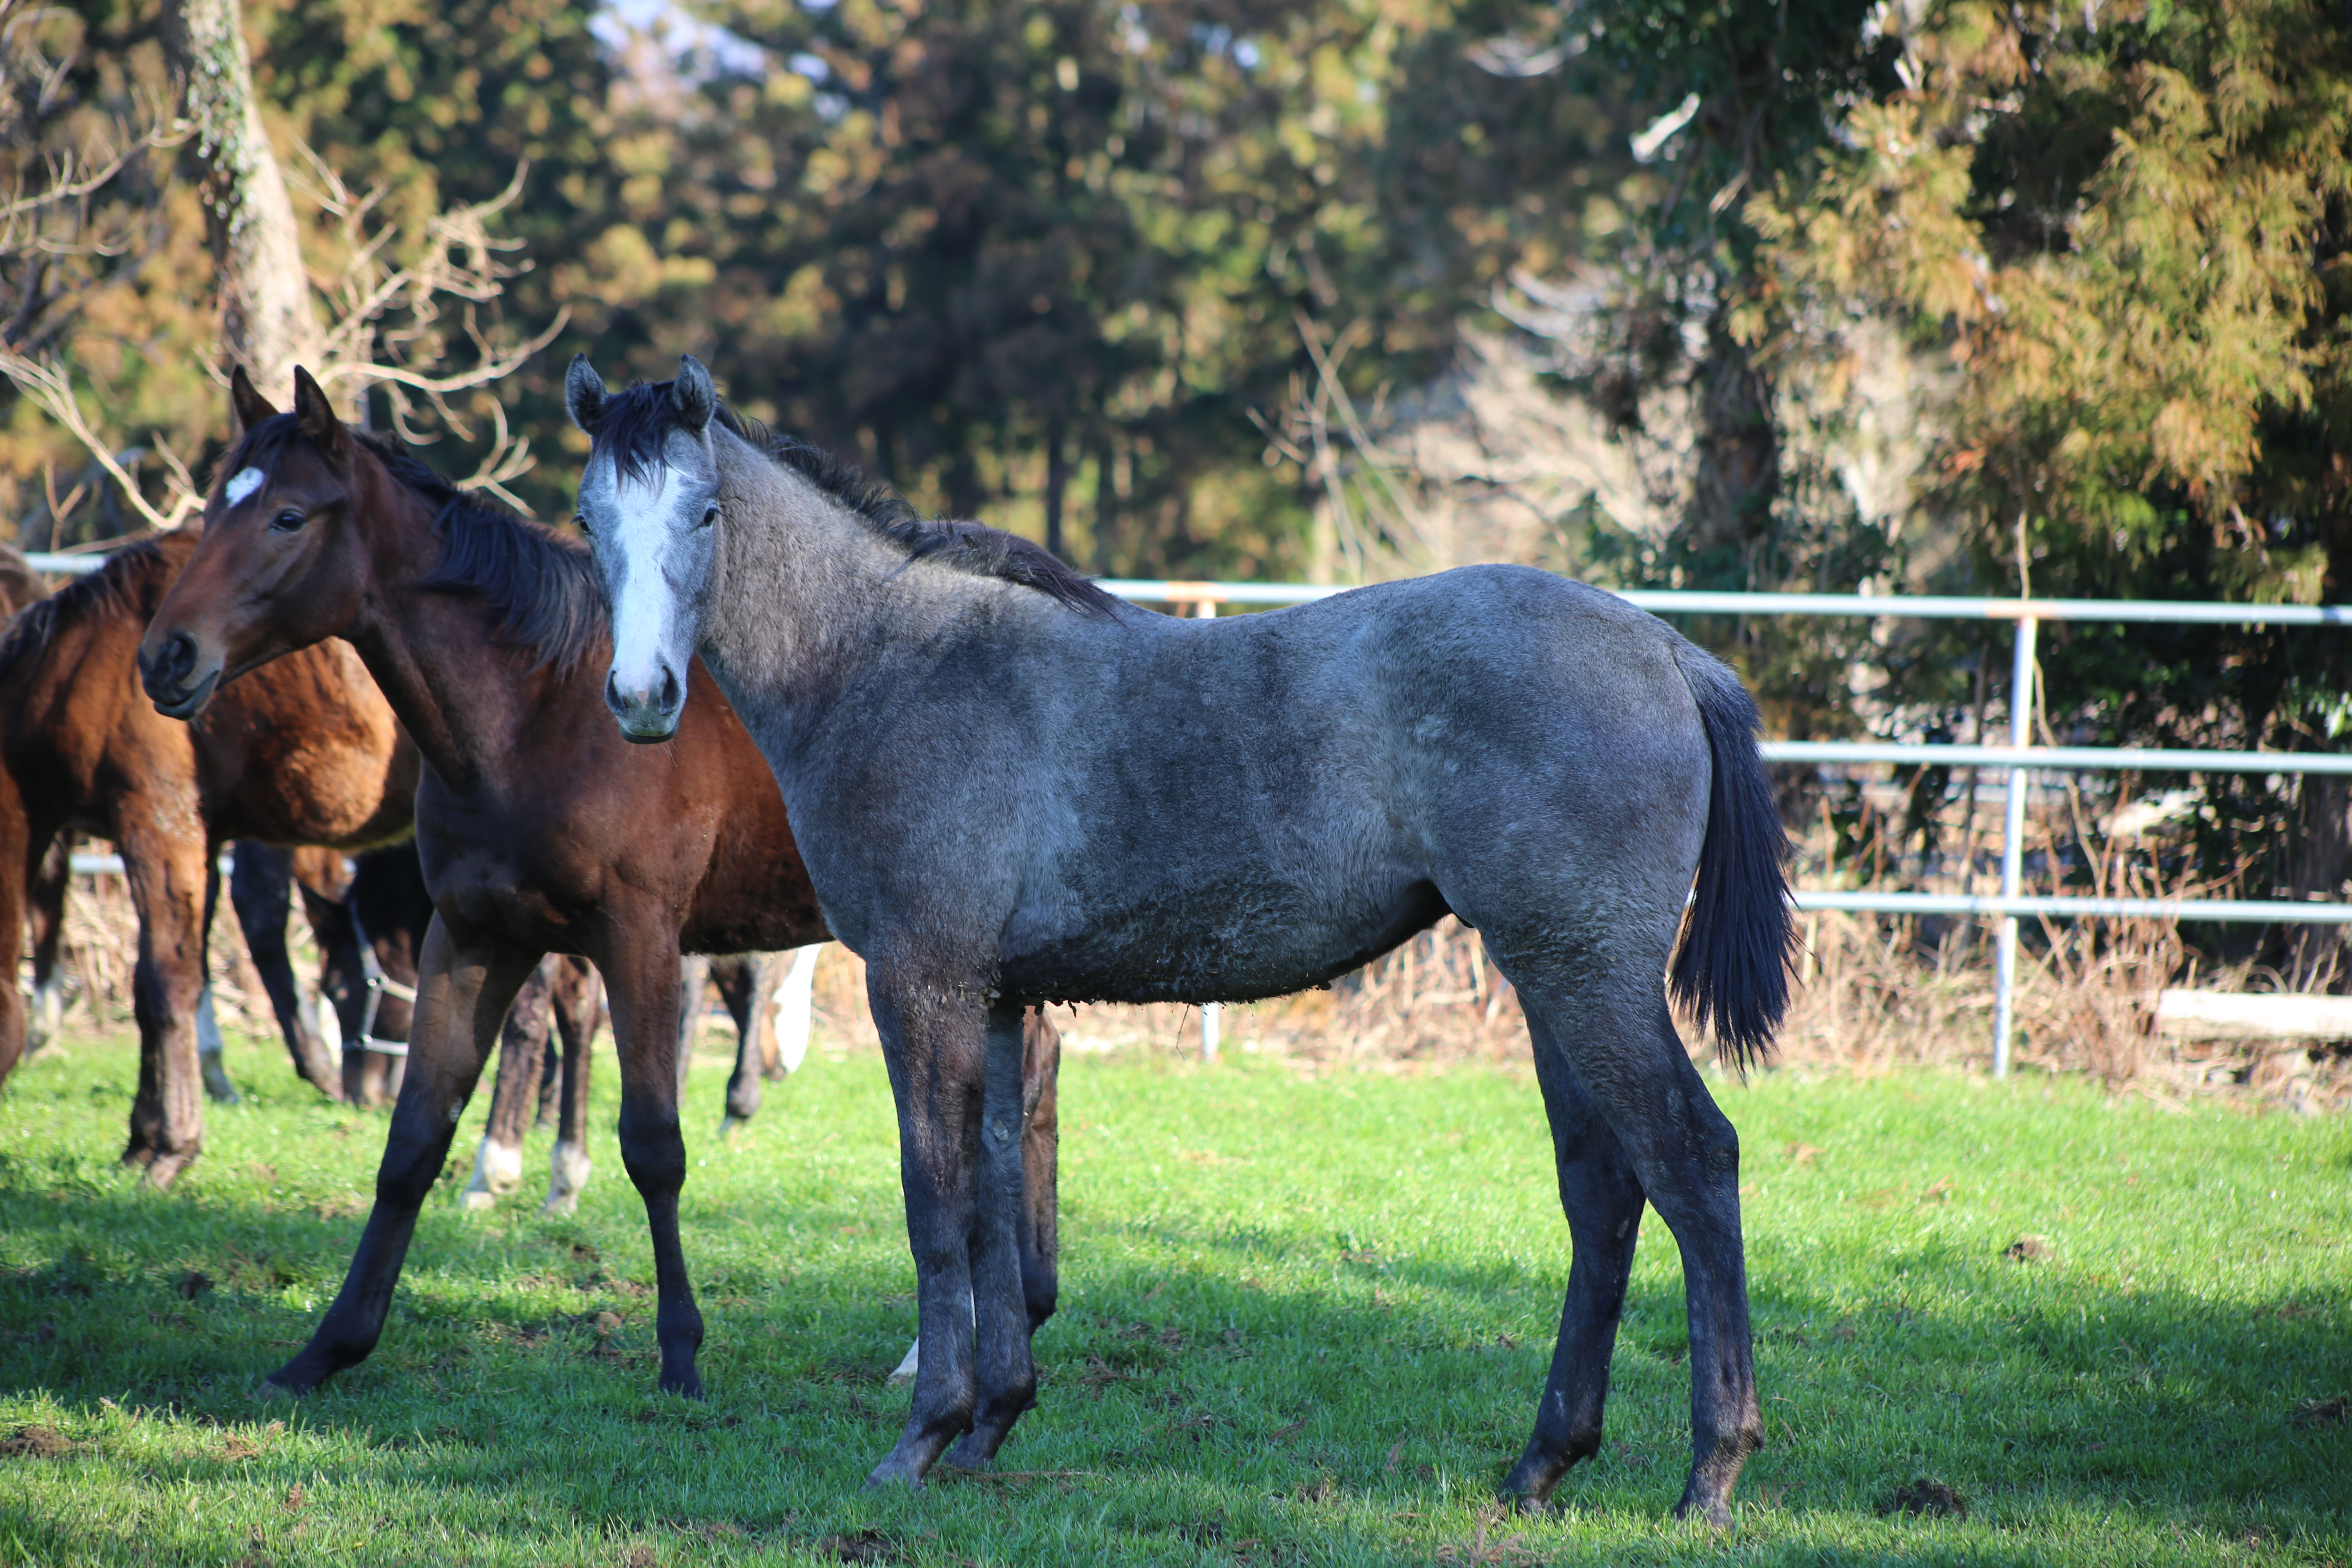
<point>251,407</point>
<point>583,392</point>
<point>316,418</point>
<point>693,396</point>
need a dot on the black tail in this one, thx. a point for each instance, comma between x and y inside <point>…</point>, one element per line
<point>1731,967</point>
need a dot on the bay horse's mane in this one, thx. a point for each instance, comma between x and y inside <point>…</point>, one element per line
<point>636,421</point>
<point>540,583</point>
<point>114,586</point>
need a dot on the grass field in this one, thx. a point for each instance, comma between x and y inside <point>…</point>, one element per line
<point>1303,1320</point>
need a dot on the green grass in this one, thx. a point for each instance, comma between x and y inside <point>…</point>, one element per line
<point>1303,1320</point>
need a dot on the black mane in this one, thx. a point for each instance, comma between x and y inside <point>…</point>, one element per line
<point>635,421</point>
<point>115,587</point>
<point>540,583</point>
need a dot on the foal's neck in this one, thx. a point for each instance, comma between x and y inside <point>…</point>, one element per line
<point>797,581</point>
<point>435,653</point>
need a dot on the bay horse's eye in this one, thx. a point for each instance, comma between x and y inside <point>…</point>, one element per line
<point>286,522</point>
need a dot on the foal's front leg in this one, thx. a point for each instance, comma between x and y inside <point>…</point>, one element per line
<point>641,976</point>
<point>463,989</point>
<point>1001,1310</point>
<point>958,1162</point>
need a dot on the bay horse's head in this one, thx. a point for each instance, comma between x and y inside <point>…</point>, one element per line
<point>648,499</point>
<point>277,568</point>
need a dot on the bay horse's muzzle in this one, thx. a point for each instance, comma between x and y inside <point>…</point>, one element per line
<point>648,716</point>
<point>169,675</point>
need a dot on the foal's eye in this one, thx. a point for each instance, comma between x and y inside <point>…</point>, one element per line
<point>286,522</point>
<point>582,519</point>
<point>709,516</point>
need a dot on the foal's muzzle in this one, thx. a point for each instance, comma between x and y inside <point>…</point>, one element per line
<point>169,676</point>
<point>648,716</point>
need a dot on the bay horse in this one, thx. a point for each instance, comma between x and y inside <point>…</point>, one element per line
<point>310,756</point>
<point>542,829</point>
<point>1009,787</point>
<point>261,889</point>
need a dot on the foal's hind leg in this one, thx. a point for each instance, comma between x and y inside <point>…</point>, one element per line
<point>463,990</point>
<point>1603,1203</point>
<point>576,997</point>
<point>745,984</point>
<point>44,912</point>
<point>514,1094</point>
<point>1619,1043</point>
<point>262,890</point>
<point>1041,1245</point>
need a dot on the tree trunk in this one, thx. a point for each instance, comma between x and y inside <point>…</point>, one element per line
<point>1738,470</point>
<point>268,320</point>
<point>1057,480</point>
<point>1106,506</point>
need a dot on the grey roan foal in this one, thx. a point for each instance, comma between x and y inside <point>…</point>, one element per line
<point>1009,788</point>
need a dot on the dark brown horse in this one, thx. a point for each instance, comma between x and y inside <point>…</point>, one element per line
<point>542,829</point>
<point>261,887</point>
<point>310,754</point>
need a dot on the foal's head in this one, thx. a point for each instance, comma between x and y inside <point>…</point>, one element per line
<point>279,565</point>
<point>648,499</point>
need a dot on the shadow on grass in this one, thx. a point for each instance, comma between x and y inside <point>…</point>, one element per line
<point>1373,1385</point>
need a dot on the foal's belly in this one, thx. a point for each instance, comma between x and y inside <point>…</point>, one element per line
<point>1219,942</point>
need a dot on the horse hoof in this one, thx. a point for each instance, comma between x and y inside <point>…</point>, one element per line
<point>687,1387</point>
<point>165,1168</point>
<point>1530,1507</point>
<point>891,1472</point>
<point>269,1391</point>
<point>475,1200</point>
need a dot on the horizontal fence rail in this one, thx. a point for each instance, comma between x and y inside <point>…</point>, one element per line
<point>2016,759</point>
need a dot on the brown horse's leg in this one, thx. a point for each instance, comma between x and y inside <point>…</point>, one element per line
<point>514,1094</point>
<point>693,971</point>
<point>45,910</point>
<point>19,858</point>
<point>1041,1067</point>
<point>261,889</point>
<point>167,874</point>
<point>746,984</point>
<point>577,1003</point>
<point>642,978</point>
<point>463,991</point>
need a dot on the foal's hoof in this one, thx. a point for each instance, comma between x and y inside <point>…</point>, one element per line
<point>892,1472</point>
<point>163,1170</point>
<point>1714,1515</point>
<point>688,1386</point>
<point>1527,1507</point>
<point>269,1391</point>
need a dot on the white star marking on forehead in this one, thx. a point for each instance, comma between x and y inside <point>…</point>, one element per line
<point>243,483</point>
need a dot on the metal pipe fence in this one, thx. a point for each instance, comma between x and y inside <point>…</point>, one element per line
<point>2017,759</point>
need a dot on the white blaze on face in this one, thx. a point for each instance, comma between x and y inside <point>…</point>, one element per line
<point>642,604</point>
<point>243,483</point>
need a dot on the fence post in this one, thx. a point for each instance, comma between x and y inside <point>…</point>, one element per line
<point>2012,845</point>
<point>1212,1013</point>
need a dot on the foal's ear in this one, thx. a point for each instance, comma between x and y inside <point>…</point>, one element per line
<point>583,392</point>
<point>251,407</point>
<point>316,418</point>
<point>693,396</point>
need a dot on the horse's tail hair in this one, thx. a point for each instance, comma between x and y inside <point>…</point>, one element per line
<point>1732,960</point>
